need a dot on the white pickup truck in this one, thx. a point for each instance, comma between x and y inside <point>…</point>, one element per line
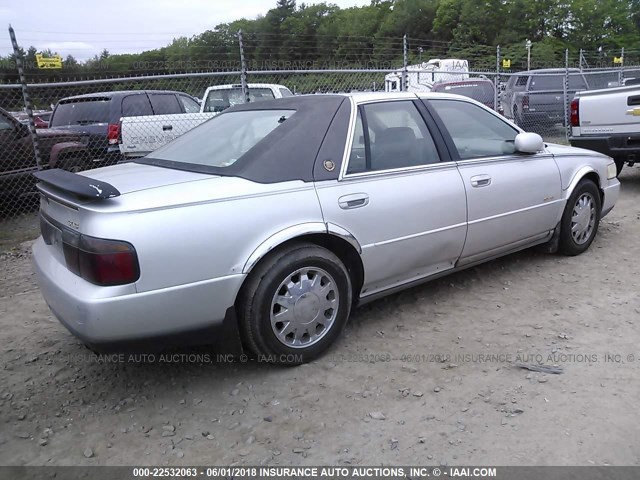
<point>140,135</point>
<point>608,121</point>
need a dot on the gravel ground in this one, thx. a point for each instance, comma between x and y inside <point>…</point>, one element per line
<point>427,376</point>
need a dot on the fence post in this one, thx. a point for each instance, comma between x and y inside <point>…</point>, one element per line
<point>580,59</point>
<point>621,71</point>
<point>496,94</point>
<point>25,96</point>
<point>243,70</point>
<point>405,64</point>
<point>566,95</point>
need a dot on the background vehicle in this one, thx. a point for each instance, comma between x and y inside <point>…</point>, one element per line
<point>535,99</point>
<point>479,89</point>
<point>220,97</point>
<point>58,148</point>
<point>238,230</point>
<point>608,121</point>
<point>423,76</point>
<point>98,115</point>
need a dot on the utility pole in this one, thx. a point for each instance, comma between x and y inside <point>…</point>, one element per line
<point>25,96</point>
<point>528,45</point>
<point>243,70</point>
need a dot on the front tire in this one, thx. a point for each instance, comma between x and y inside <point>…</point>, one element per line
<point>579,224</point>
<point>295,304</point>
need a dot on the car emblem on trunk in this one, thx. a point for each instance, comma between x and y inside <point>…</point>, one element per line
<point>329,165</point>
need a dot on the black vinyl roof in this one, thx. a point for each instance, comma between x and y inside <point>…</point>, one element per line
<point>289,152</point>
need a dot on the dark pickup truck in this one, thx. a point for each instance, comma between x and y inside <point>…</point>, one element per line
<point>58,149</point>
<point>534,100</point>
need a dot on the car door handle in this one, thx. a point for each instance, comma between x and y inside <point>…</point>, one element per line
<point>480,181</point>
<point>355,200</point>
<point>167,127</point>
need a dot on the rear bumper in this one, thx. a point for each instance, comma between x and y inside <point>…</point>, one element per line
<point>114,318</point>
<point>627,146</point>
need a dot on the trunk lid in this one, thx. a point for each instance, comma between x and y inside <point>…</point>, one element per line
<point>64,194</point>
<point>133,177</point>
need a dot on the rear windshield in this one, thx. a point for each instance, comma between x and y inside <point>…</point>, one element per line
<point>480,91</point>
<point>219,100</point>
<point>221,141</point>
<point>85,111</point>
<point>556,82</point>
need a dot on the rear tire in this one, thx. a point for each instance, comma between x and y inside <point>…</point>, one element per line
<point>295,304</point>
<point>579,224</point>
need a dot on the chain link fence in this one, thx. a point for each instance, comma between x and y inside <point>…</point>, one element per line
<point>89,123</point>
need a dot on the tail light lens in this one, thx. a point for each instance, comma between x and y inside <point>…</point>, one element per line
<point>99,261</point>
<point>113,133</point>
<point>525,102</point>
<point>574,116</point>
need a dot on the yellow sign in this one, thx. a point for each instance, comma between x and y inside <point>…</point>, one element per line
<point>634,111</point>
<point>49,62</point>
<point>506,63</point>
<point>617,60</point>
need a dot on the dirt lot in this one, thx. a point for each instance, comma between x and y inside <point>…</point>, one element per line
<point>59,406</point>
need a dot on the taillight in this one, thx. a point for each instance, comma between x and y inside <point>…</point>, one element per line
<point>113,132</point>
<point>107,262</point>
<point>525,102</point>
<point>575,112</point>
<point>101,262</point>
<point>104,262</point>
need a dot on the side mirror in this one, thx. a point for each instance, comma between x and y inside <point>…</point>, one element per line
<point>528,143</point>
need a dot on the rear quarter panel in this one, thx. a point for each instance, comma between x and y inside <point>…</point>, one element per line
<point>208,230</point>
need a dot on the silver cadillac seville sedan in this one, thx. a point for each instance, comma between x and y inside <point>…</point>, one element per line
<point>265,226</point>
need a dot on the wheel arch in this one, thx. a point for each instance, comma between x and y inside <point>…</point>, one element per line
<point>332,237</point>
<point>585,173</point>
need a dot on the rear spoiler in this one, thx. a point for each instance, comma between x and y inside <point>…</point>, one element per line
<point>78,185</point>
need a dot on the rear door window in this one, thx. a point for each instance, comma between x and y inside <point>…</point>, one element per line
<point>136,105</point>
<point>81,111</point>
<point>285,92</point>
<point>521,81</point>
<point>164,103</point>
<point>577,82</point>
<point>547,82</point>
<point>189,104</point>
<point>390,135</point>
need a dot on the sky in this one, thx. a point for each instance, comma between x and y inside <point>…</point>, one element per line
<point>83,28</point>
